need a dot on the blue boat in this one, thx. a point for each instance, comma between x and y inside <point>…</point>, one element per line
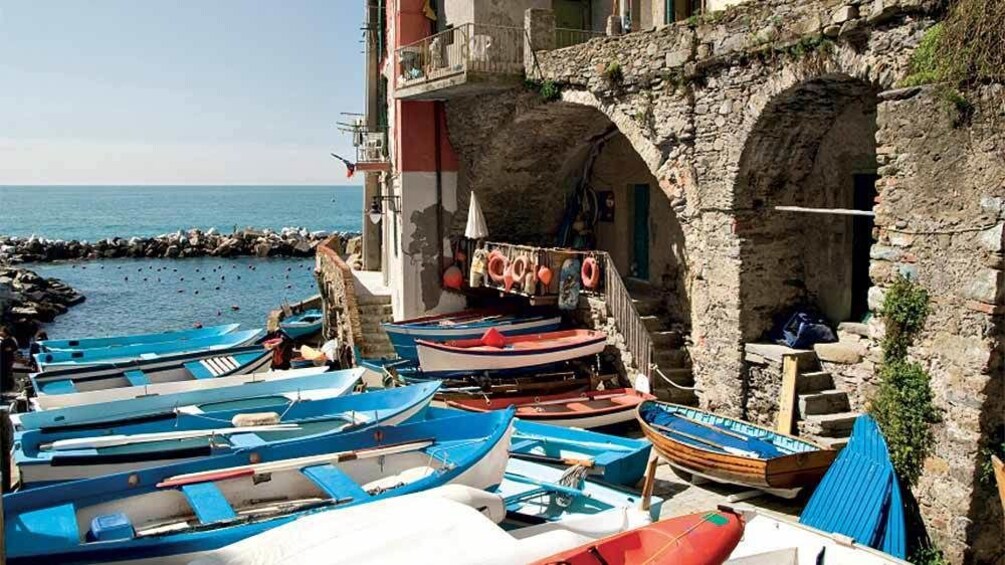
<point>612,459</point>
<point>163,375</point>
<point>469,324</point>
<point>173,511</point>
<point>46,457</point>
<point>302,325</point>
<point>299,383</point>
<point>609,458</point>
<point>135,339</point>
<point>860,495</point>
<point>143,351</point>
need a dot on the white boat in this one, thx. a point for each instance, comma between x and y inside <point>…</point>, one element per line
<point>769,539</point>
<point>297,384</point>
<point>508,352</point>
<point>185,383</point>
<point>451,524</point>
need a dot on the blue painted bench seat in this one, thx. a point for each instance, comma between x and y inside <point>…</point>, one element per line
<point>137,378</point>
<point>208,503</point>
<point>53,528</point>
<point>337,484</point>
<point>247,439</point>
<point>64,386</point>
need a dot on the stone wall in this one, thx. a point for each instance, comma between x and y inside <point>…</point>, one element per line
<point>939,218</point>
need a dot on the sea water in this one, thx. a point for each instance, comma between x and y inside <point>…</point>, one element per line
<point>150,295</point>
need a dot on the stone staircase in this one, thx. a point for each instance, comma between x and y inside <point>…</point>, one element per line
<point>823,413</point>
<point>669,346</point>
<point>373,310</point>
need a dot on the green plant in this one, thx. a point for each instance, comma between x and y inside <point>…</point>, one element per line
<point>613,73</point>
<point>550,91</point>
<point>927,555</point>
<point>924,66</point>
<point>992,445</point>
<point>905,308</point>
<point>904,411</point>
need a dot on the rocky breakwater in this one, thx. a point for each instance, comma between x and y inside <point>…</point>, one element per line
<point>28,300</point>
<point>288,242</point>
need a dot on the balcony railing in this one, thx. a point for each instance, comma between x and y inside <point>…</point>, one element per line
<point>466,48</point>
<point>565,37</point>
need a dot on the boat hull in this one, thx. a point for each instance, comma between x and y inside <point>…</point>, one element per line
<point>786,472</point>
<point>295,383</point>
<point>302,325</point>
<point>444,358</point>
<point>580,410</point>
<point>126,340</point>
<point>403,336</point>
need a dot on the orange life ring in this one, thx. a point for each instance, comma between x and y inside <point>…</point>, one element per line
<point>497,267</point>
<point>590,273</point>
<point>520,267</point>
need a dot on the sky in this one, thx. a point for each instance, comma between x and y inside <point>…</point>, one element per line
<point>177,91</point>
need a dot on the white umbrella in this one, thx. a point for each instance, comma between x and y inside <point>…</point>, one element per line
<point>476,228</point>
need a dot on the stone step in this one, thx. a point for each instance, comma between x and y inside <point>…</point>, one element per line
<point>653,323</point>
<point>672,359</point>
<point>828,425</point>
<point>835,443</point>
<point>647,306</point>
<point>376,309</point>
<point>372,300</point>
<point>667,339</point>
<point>815,381</point>
<point>825,402</point>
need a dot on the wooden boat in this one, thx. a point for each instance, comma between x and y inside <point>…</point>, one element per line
<point>298,384</point>
<point>584,410</point>
<point>860,496</point>
<point>731,451</point>
<point>179,510</point>
<point>45,457</point>
<point>135,339</point>
<point>143,351</point>
<point>514,352</point>
<point>302,325</point>
<point>469,324</point>
<point>704,538</point>
<point>456,521</point>
<point>770,539</point>
<point>613,459</point>
<point>209,370</point>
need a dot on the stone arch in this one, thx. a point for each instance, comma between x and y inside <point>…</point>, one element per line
<point>527,162</point>
<point>812,145</point>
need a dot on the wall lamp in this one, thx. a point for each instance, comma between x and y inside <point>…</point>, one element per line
<point>376,211</point>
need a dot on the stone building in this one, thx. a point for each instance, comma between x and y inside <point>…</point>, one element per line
<point>756,159</point>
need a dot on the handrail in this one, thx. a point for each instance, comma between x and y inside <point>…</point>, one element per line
<point>626,317</point>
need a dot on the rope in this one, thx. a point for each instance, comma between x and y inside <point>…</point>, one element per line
<point>667,379</point>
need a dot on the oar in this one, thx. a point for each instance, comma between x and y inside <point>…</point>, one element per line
<point>588,463</point>
<point>726,448</point>
<point>745,438</point>
<point>581,443</point>
<point>119,440</point>
<point>297,463</point>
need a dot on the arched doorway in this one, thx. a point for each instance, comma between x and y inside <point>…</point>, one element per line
<point>804,195</point>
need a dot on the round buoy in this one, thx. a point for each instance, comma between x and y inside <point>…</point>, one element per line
<point>219,313</point>
<point>181,290</point>
<point>196,292</point>
<point>182,279</point>
<point>590,273</point>
<point>217,288</point>
<point>544,275</point>
<point>235,307</point>
<point>453,277</point>
<point>126,278</point>
<point>197,325</point>
<point>497,267</point>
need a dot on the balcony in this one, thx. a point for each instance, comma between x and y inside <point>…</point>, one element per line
<point>371,151</point>
<point>467,59</point>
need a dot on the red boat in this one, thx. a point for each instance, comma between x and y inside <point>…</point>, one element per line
<point>574,409</point>
<point>706,538</point>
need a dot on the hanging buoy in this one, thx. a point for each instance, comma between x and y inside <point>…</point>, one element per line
<point>544,275</point>
<point>520,268</point>
<point>508,278</point>
<point>590,273</point>
<point>453,277</point>
<point>498,265</point>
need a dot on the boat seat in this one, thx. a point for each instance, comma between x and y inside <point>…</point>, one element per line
<point>208,503</point>
<point>524,444</point>
<point>64,386</point>
<point>52,527</point>
<point>248,439</point>
<point>336,483</point>
<point>137,378</point>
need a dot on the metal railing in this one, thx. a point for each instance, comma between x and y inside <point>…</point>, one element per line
<point>626,317</point>
<point>372,147</point>
<point>468,47</point>
<point>565,37</point>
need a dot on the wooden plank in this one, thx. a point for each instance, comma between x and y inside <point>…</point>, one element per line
<point>999,468</point>
<point>650,483</point>
<point>787,398</point>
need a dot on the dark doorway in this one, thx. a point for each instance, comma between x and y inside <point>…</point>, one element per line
<point>865,198</point>
<point>640,231</point>
<point>572,14</point>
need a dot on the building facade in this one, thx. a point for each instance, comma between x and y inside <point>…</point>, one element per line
<point>748,159</point>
